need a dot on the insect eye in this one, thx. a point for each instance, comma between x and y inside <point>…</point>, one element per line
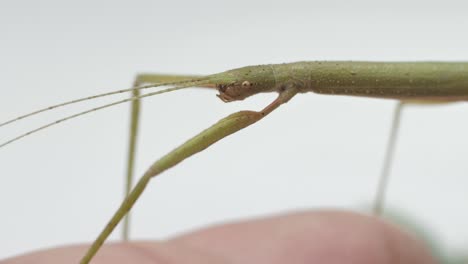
<point>246,84</point>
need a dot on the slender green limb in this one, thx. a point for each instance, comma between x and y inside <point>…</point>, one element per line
<point>132,145</point>
<point>140,80</point>
<point>208,137</point>
<point>388,160</point>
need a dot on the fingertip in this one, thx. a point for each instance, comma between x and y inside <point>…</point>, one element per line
<point>326,236</point>
<point>303,237</point>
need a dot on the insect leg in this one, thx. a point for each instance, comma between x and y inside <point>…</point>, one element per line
<point>208,137</point>
<point>140,80</point>
<point>388,160</point>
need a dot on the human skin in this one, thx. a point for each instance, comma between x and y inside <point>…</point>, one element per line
<point>329,237</point>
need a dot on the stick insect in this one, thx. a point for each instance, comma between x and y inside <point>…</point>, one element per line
<point>409,82</point>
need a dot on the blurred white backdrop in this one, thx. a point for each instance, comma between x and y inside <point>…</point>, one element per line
<point>62,185</point>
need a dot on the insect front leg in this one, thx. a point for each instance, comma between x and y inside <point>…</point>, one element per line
<point>208,137</point>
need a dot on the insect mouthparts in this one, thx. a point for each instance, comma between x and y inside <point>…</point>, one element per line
<point>222,87</point>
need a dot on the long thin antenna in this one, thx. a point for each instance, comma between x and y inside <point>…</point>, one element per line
<point>95,97</point>
<point>191,84</point>
<point>388,160</point>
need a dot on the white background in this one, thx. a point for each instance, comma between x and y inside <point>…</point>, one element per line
<point>62,185</point>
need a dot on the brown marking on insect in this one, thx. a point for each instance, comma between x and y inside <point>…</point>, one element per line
<point>235,91</point>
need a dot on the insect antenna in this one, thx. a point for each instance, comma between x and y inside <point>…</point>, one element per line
<point>154,85</point>
<point>179,86</point>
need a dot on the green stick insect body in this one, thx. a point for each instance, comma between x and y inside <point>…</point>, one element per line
<point>435,81</point>
<point>421,82</point>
